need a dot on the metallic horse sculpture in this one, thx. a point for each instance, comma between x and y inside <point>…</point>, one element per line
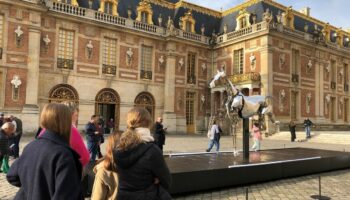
<point>239,106</point>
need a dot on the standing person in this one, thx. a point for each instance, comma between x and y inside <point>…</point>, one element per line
<point>307,124</point>
<point>6,131</point>
<point>2,119</point>
<point>106,179</point>
<point>48,168</point>
<point>17,136</point>
<point>101,130</point>
<point>212,139</point>
<point>110,125</point>
<point>159,135</point>
<point>292,126</point>
<point>257,137</point>
<point>92,137</point>
<point>142,171</point>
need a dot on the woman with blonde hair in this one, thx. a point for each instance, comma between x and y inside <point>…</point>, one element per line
<point>142,171</point>
<point>48,168</point>
<point>106,179</point>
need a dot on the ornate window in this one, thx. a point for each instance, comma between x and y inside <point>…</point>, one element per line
<point>146,62</point>
<point>187,22</point>
<point>191,68</point>
<point>238,61</point>
<point>288,18</point>
<point>109,56</point>
<point>63,92</point>
<point>65,49</point>
<point>145,100</point>
<point>144,12</point>
<point>242,19</point>
<point>109,7</point>
<point>1,33</point>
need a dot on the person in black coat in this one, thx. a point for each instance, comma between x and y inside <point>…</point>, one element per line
<point>142,171</point>
<point>6,130</point>
<point>17,136</point>
<point>159,135</point>
<point>93,137</point>
<point>48,168</point>
<point>292,126</point>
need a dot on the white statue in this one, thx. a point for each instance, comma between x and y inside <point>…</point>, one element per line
<point>204,67</point>
<point>279,17</point>
<point>16,81</point>
<point>252,60</point>
<point>308,102</point>
<point>341,102</point>
<point>309,66</point>
<point>181,64</point>
<point>129,56</point>
<point>89,48</point>
<point>46,40</point>
<point>225,28</point>
<point>19,35</point>
<point>161,61</point>
<point>282,97</point>
<point>328,100</point>
<point>202,102</point>
<point>282,60</point>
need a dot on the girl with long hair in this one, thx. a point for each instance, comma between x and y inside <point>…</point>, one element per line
<point>106,179</point>
<point>142,171</point>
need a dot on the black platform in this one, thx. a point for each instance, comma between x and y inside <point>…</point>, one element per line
<point>196,172</point>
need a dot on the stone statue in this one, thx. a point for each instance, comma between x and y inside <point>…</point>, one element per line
<point>282,60</point>
<point>202,102</point>
<point>267,16</point>
<point>181,64</point>
<point>161,61</point>
<point>341,102</point>
<point>225,28</point>
<point>16,82</point>
<point>160,19</point>
<point>170,26</point>
<point>212,40</point>
<point>306,27</point>
<point>308,102</point>
<point>309,66</point>
<point>202,29</point>
<point>204,67</point>
<point>47,42</point>
<point>252,60</point>
<point>19,36</point>
<point>282,97</point>
<point>327,100</point>
<point>89,48</point>
<point>129,56</point>
<point>279,17</point>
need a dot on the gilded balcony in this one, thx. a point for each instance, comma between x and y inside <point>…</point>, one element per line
<point>247,78</point>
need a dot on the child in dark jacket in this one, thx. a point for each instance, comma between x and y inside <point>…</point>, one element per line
<point>7,129</point>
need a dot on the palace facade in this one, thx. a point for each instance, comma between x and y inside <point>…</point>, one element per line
<point>112,55</point>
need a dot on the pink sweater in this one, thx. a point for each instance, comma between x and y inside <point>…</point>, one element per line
<point>77,144</point>
<point>256,133</point>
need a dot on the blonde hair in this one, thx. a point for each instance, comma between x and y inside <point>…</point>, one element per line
<point>71,105</point>
<point>8,126</point>
<point>57,118</point>
<point>109,162</point>
<point>136,117</point>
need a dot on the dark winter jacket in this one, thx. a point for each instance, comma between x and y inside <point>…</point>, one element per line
<point>137,169</point>
<point>4,143</point>
<point>90,129</point>
<point>47,169</point>
<point>159,135</point>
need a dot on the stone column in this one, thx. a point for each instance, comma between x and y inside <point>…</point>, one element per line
<point>169,116</point>
<point>30,112</point>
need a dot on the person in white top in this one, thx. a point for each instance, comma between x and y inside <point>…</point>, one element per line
<point>213,135</point>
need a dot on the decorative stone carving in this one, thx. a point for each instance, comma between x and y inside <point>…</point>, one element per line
<point>306,27</point>
<point>267,16</point>
<point>47,42</point>
<point>341,103</point>
<point>19,36</point>
<point>253,17</point>
<point>282,60</point>
<point>309,66</point>
<point>327,102</point>
<point>204,68</point>
<point>129,56</point>
<point>202,29</point>
<point>202,102</point>
<point>89,48</point>
<point>161,61</point>
<point>129,13</point>
<point>288,18</point>
<point>279,17</point>
<point>160,19</point>
<point>252,60</point>
<point>180,65</point>
<point>308,102</point>
<point>171,27</point>
<point>225,28</point>
<point>328,67</point>
<point>282,97</point>
<point>16,81</point>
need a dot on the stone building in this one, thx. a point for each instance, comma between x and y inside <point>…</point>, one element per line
<point>112,55</point>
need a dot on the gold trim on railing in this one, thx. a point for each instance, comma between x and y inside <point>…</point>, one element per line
<point>250,77</point>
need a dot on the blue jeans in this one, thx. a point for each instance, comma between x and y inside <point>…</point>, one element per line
<point>211,144</point>
<point>308,131</point>
<point>92,147</point>
<point>256,145</point>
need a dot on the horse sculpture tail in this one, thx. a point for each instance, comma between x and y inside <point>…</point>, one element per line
<point>267,109</point>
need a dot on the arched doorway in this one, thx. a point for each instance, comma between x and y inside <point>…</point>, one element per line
<point>63,92</point>
<point>108,106</point>
<point>146,100</point>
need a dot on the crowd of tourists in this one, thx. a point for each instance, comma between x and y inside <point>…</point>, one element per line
<point>55,164</point>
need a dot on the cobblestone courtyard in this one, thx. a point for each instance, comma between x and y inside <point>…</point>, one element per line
<point>334,184</point>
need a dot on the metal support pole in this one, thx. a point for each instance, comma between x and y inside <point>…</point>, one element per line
<point>246,139</point>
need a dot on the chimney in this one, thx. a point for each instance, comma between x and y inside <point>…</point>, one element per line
<point>306,11</point>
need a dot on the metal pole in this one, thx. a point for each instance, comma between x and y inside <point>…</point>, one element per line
<point>246,139</point>
<point>246,193</point>
<point>319,186</point>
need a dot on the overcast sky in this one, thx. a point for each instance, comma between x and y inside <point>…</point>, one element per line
<point>336,12</point>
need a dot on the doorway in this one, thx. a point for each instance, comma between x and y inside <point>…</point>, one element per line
<point>190,112</point>
<point>108,107</point>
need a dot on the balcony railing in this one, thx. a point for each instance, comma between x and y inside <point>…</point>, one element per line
<point>262,26</point>
<point>333,85</point>
<point>191,79</point>
<point>65,63</point>
<point>295,78</point>
<point>109,69</point>
<point>146,75</point>
<point>252,77</point>
<point>90,14</point>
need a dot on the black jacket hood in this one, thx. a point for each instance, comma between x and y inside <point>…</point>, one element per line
<point>126,159</point>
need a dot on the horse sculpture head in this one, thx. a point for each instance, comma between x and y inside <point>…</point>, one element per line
<point>218,75</point>
<point>222,75</point>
